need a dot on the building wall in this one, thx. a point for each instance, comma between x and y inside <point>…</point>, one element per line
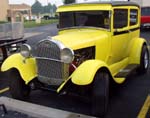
<point>4,6</point>
<point>142,2</point>
<point>146,3</point>
<point>137,1</point>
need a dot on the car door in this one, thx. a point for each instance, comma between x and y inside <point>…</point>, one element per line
<point>134,23</point>
<point>120,34</point>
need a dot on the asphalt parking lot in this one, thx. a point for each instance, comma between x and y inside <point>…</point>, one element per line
<point>129,100</point>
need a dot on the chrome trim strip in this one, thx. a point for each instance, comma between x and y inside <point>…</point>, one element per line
<point>43,58</point>
<point>59,44</point>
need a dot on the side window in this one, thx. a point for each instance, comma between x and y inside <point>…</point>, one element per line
<point>133,17</point>
<point>120,18</point>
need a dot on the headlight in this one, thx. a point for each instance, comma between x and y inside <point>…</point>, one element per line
<point>25,50</point>
<point>67,55</point>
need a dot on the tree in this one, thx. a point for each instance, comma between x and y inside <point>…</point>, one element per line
<point>54,8</point>
<point>69,1</point>
<point>37,7</point>
<point>47,8</point>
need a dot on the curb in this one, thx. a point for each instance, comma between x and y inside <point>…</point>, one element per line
<point>38,111</point>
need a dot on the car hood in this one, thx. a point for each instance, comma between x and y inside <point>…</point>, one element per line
<point>80,38</point>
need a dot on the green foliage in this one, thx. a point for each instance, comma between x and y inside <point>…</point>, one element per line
<point>47,8</point>
<point>30,24</point>
<point>37,7</point>
<point>54,8</point>
<point>69,1</point>
<point>2,22</point>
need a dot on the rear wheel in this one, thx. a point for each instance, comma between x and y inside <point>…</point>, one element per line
<point>100,94</point>
<point>144,63</point>
<point>18,88</point>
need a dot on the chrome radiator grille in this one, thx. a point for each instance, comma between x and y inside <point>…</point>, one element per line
<point>50,69</point>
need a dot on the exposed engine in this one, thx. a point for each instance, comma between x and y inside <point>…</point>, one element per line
<point>82,55</point>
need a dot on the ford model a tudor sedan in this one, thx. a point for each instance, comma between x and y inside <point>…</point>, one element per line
<point>97,44</point>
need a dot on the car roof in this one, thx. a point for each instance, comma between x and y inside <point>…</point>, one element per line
<point>112,3</point>
<point>95,6</point>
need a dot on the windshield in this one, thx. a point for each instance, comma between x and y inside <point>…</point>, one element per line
<point>145,11</point>
<point>98,19</point>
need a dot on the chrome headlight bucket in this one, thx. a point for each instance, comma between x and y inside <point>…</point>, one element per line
<point>67,55</point>
<point>25,50</point>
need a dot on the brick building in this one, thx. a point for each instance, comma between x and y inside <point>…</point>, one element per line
<point>13,12</point>
<point>16,12</point>
<point>4,6</point>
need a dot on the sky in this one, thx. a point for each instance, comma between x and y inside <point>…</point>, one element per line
<point>44,2</point>
<point>30,2</point>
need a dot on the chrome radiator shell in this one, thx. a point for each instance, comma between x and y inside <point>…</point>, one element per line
<point>51,70</point>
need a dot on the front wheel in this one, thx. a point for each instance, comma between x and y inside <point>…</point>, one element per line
<point>100,94</point>
<point>18,88</point>
<point>3,54</point>
<point>144,63</point>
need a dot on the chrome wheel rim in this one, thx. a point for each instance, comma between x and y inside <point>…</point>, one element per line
<point>146,60</point>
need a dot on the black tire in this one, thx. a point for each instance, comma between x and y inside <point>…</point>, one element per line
<point>3,54</point>
<point>18,88</point>
<point>100,94</point>
<point>144,61</point>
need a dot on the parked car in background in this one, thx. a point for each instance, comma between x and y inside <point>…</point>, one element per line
<point>33,18</point>
<point>98,43</point>
<point>46,17</point>
<point>145,17</point>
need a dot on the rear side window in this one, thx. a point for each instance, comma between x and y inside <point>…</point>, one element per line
<point>120,18</point>
<point>133,17</point>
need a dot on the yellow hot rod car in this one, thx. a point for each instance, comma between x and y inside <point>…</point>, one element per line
<point>97,43</point>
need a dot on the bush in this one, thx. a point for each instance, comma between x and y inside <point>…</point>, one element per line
<point>1,22</point>
<point>29,24</point>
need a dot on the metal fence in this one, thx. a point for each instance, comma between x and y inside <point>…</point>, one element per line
<point>9,31</point>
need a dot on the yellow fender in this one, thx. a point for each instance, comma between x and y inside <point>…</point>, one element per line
<point>136,49</point>
<point>85,73</point>
<point>26,67</point>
